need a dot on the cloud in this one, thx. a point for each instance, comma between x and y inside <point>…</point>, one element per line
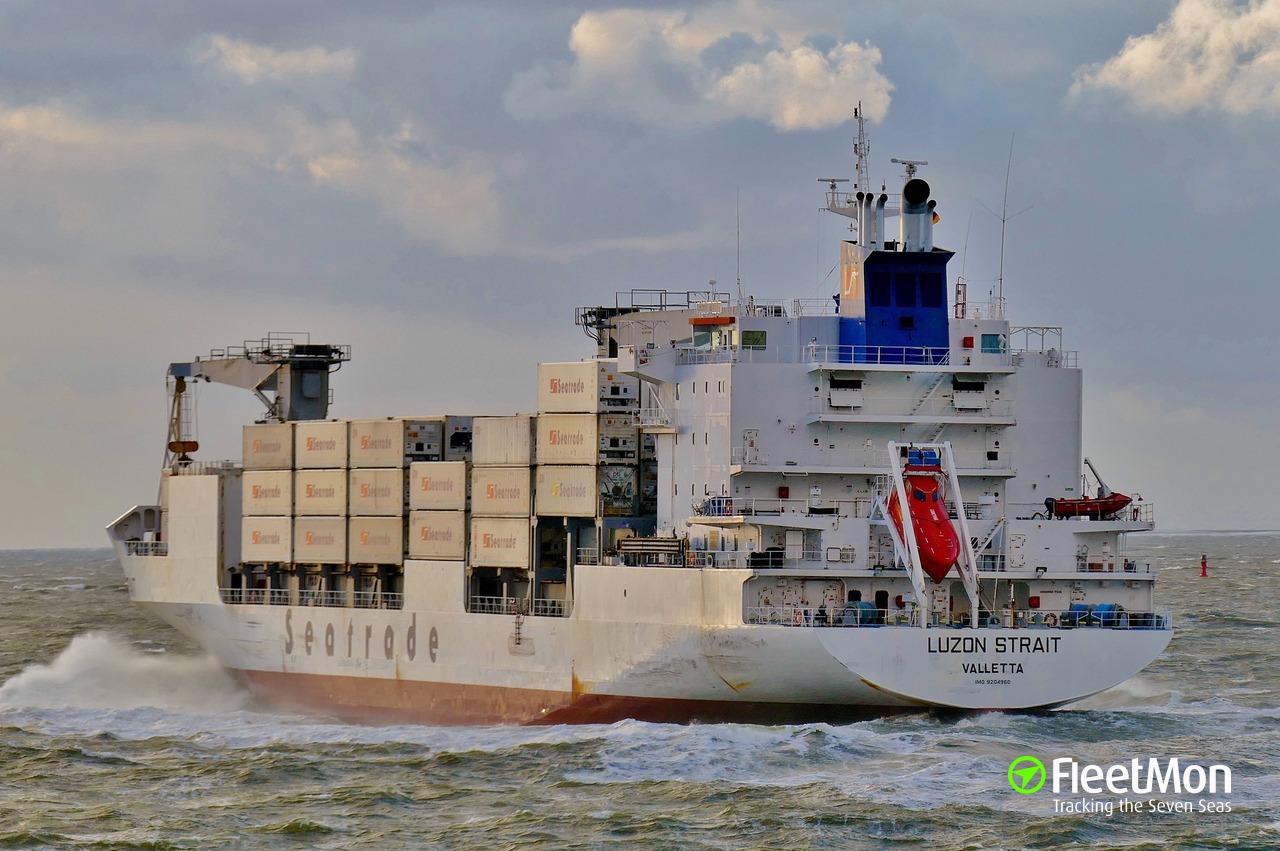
<point>444,195</point>
<point>253,63</point>
<point>52,137</point>
<point>1208,54</point>
<point>687,70</point>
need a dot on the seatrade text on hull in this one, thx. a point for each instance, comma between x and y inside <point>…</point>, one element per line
<point>730,508</point>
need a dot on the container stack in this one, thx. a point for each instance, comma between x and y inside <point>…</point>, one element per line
<point>266,533</point>
<point>438,510</point>
<point>379,454</point>
<point>502,491</point>
<point>588,444</point>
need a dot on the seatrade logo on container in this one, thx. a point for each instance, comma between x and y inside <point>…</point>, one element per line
<point>1182,786</point>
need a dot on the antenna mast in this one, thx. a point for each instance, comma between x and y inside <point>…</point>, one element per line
<point>862,149</point>
<point>1004,218</point>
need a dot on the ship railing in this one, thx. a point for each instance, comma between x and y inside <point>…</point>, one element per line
<point>1122,565</point>
<point>538,607</point>
<point>203,468</point>
<point>905,355</point>
<point>862,457</point>
<point>653,417</point>
<point>1093,617</point>
<point>586,555</point>
<point>770,558</point>
<point>146,548</point>
<point>306,597</point>
<point>729,506</point>
<point>910,406</point>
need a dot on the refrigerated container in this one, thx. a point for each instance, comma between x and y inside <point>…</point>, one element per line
<point>266,539</point>
<point>268,447</point>
<point>320,540</point>
<point>587,438</point>
<point>320,492</point>
<point>438,535</point>
<point>503,441</point>
<point>320,444</point>
<point>267,492</point>
<point>438,485</point>
<point>502,491</point>
<point>581,387</point>
<point>499,542</point>
<point>376,491</point>
<point>375,540</point>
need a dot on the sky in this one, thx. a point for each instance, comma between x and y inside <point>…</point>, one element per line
<point>439,185</point>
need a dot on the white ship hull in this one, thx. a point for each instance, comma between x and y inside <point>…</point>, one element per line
<point>444,667</point>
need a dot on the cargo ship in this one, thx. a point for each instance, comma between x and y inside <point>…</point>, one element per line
<point>702,520</point>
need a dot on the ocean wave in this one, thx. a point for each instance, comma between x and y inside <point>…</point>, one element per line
<point>100,671</point>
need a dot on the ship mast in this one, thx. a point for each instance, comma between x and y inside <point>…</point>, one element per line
<point>861,150</point>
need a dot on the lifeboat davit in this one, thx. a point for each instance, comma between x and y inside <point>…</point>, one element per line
<point>936,538</point>
<point>1102,507</point>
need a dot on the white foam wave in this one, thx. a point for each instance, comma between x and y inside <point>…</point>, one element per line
<point>98,671</point>
<point>1135,692</point>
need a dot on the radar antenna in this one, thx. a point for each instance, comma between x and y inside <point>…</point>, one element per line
<point>911,165</point>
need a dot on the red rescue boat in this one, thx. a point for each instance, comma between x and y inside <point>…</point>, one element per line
<point>1102,507</point>
<point>936,538</point>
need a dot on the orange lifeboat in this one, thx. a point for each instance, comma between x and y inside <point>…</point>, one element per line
<point>936,538</point>
<point>1102,508</point>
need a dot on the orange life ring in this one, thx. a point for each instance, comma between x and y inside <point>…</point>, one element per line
<point>798,617</point>
<point>1051,620</point>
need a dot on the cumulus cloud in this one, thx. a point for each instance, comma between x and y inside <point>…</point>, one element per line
<point>253,63</point>
<point>1208,54</point>
<point>685,70</point>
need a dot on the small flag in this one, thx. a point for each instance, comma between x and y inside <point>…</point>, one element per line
<point>936,218</point>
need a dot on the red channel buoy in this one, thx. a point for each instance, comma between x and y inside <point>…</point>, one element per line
<point>1204,566</point>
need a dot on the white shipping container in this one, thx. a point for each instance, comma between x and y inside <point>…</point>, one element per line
<point>503,441</point>
<point>320,444</point>
<point>438,485</point>
<point>568,438</point>
<point>422,440</point>
<point>499,542</point>
<point>587,438</point>
<point>266,539</point>
<point>377,443</point>
<point>376,491</point>
<point>267,492</point>
<point>586,386</point>
<point>502,491</point>
<point>457,437</point>
<point>438,534</point>
<point>375,540</point>
<point>567,491</point>
<point>617,489</point>
<point>320,492</point>
<point>268,447</point>
<point>320,540</point>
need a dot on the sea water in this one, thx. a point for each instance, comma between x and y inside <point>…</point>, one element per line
<point>115,732</point>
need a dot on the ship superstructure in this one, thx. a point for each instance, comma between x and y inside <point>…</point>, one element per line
<point>737,509</point>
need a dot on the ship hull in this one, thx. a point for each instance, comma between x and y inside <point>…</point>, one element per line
<point>396,666</point>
